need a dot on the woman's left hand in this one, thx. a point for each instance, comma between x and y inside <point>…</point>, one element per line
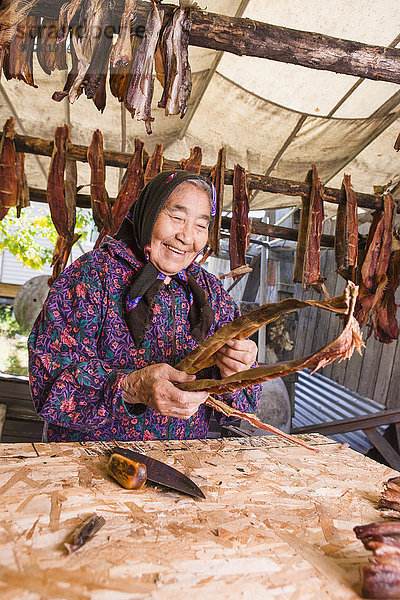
<point>237,355</point>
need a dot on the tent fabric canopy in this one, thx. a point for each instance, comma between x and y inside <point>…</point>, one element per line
<point>274,118</point>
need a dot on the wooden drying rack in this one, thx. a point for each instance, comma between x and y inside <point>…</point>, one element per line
<point>286,187</point>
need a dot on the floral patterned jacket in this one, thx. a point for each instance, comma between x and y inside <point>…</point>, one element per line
<point>80,348</point>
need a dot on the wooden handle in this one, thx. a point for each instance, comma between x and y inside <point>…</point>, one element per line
<point>129,473</point>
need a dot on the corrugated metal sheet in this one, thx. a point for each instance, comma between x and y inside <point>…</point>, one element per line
<point>318,399</point>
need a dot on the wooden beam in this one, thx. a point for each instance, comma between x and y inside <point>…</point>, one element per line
<point>286,187</point>
<point>254,38</point>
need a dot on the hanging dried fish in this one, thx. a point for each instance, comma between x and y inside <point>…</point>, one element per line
<point>176,69</point>
<point>346,234</point>
<point>91,40</point>
<point>228,411</point>
<point>154,164</point>
<point>249,323</point>
<point>239,238</point>
<point>66,14</point>
<point>18,60</point>
<point>193,163</point>
<point>11,16</point>
<point>307,267</point>
<point>381,578</point>
<point>218,179</point>
<point>132,185</point>
<point>8,176</point>
<point>55,180</point>
<point>384,311</point>
<point>23,189</point>
<point>341,348</point>
<point>101,206</point>
<point>121,53</point>
<point>373,278</point>
<point>51,54</point>
<point>140,89</point>
<point>84,533</point>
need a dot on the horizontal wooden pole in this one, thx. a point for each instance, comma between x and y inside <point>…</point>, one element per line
<point>286,187</point>
<point>254,38</point>
<point>258,228</point>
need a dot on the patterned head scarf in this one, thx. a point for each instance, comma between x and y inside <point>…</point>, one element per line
<point>136,230</point>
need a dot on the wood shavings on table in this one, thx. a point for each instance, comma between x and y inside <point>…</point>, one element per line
<point>276,522</point>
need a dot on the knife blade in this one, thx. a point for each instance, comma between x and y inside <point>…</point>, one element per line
<point>160,473</point>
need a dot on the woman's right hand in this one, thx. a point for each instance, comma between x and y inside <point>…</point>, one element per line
<point>154,386</point>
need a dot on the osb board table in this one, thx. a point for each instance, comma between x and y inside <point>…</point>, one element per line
<point>277,522</point>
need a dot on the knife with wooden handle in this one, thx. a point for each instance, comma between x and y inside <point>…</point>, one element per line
<point>130,474</point>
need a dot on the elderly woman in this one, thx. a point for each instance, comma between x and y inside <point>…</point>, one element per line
<point>103,350</point>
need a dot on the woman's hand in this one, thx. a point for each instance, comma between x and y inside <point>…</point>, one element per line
<point>154,386</point>
<point>237,355</point>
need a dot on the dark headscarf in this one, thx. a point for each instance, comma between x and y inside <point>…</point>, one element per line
<point>136,231</point>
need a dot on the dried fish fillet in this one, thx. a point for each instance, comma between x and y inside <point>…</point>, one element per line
<point>193,163</point>
<point>390,497</point>
<point>307,267</point>
<point>55,180</point>
<point>346,234</point>
<point>154,164</point>
<point>8,175</point>
<point>84,533</point>
<point>10,18</point>
<point>101,206</point>
<point>18,60</point>
<point>249,323</point>
<point>23,189</point>
<point>140,89</point>
<point>121,53</point>
<point>236,272</point>
<point>343,347</point>
<point>51,53</point>
<point>218,179</point>
<point>132,184</point>
<point>239,237</point>
<point>381,578</point>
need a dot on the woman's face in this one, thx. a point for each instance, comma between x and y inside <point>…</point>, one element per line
<point>181,229</point>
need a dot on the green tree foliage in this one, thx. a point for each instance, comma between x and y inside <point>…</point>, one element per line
<point>24,237</point>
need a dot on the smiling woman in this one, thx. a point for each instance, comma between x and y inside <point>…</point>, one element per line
<point>103,349</point>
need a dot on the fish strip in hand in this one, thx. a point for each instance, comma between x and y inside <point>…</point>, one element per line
<point>218,178</point>
<point>343,347</point>
<point>249,323</point>
<point>101,206</point>
<point>193,163</point>
<point>140,88</point>
<point>239,238</point>
<point>346,234</point>
<point>8,176</point>
<point>132,185</point>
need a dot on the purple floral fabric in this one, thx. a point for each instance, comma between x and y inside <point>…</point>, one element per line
<point>80,349</point>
